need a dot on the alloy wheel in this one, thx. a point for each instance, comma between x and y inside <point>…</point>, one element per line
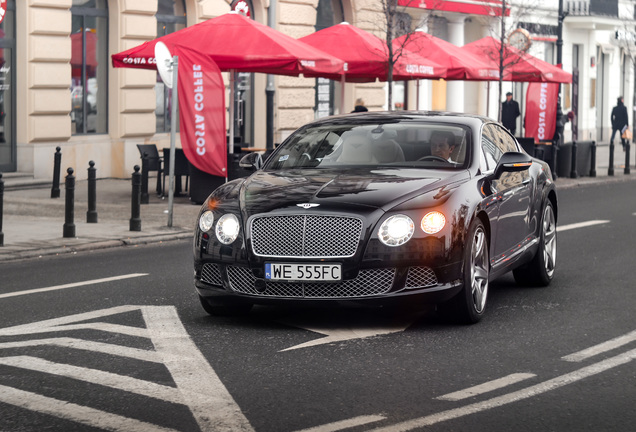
<point>479,270</point>
<point>549,240</point>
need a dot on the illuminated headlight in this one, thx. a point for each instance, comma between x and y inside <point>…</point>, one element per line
<point>396,230</point>
<point>227,228</point>
<point>433,222</point>
<point>206,221</point>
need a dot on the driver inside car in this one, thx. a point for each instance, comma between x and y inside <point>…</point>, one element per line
<point>442,145</point>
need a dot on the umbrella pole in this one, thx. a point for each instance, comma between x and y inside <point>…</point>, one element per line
<point>417,95</point>
<point>230,143</point>
<point>342,94</point>
<point>231,139</point>
<point>488,100</point>
<point>173,127</point>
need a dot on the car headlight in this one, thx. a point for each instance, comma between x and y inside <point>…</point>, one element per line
<point>206,221</point>
<point>433,222</point>
<point>396,230</point>
<point>227,228</point>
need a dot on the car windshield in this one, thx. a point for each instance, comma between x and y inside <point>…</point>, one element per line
<point>399,144</point>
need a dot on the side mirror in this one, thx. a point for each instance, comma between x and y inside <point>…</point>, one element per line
<point>513,162</point>
<point>251,161</point>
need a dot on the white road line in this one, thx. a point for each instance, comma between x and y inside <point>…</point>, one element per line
<point>72,285</point>
<point>581,225</point>
<point>52,325</point>
<point>209,401</point>
<point>105,327</point>
<point>86,345</point>
<point>95,376</point>
<point>76,413</point>
<point>345,424</point>
<point>601,348</point>
<point>486,387</point>
<point>516,396</point>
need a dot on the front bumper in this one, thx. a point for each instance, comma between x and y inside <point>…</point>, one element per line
<point>374,285</point>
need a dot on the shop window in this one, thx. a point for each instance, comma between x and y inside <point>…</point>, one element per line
<point>89,66</point>
<point>171,16</point>
<point>8,148</point>
<point>328,13</point>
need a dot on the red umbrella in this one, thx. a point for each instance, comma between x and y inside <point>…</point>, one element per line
<point>518,66</point>
<point>462,65</point>
<point>366,56</point>
<point>237,43</point>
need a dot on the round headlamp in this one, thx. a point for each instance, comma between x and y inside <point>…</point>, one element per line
<point>396,230</point>
<point>206,221</point>
<point>227,228</point>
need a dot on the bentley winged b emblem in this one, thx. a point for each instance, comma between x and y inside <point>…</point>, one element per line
<point>307,205</point>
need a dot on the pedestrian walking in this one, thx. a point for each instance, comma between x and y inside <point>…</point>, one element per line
<point>619,121</point>
<point>509,113</point>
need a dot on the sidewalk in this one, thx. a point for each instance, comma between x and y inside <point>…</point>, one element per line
<point>32,222</point>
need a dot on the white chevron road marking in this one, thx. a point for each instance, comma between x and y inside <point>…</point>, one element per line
<point>94,376</point>
<point>196,384</point>
<point>77,413</point>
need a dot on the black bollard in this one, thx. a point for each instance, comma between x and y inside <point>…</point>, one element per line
<point>69,209</point>
<point>57,161</point>
<point>1,208</point>
<point>593,161</point>
<point>626,171</point>
<point>91,214</point>
<point>144,179</point>
<point>135,218</point>
<point>573,171</point>
<point>610,170</point>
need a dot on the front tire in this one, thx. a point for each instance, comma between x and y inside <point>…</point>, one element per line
<point>469,305</point>
<point>540,271</point>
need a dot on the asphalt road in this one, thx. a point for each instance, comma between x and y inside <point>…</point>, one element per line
<point>116,340</point>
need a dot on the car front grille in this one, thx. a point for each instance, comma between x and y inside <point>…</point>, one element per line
<point>420,277</point>
<point>211,274</point>
<point>299,236</point>
<point>368,283</point>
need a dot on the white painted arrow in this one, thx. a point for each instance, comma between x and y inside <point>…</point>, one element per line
<point>338,329</point>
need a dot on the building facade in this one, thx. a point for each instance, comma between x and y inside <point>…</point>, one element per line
<point>58,87</point>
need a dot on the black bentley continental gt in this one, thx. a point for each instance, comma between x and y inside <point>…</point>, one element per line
<point>378,208</point>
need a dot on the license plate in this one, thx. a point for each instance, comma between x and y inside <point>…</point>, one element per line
<point>303,272</point>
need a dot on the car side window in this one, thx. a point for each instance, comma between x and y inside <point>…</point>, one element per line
<point>508,144</point>
<point>491,151</point>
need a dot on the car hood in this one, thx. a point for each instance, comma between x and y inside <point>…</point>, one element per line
<point>379,188</point>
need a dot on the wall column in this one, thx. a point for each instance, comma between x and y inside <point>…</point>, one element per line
<point>455,89</point>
